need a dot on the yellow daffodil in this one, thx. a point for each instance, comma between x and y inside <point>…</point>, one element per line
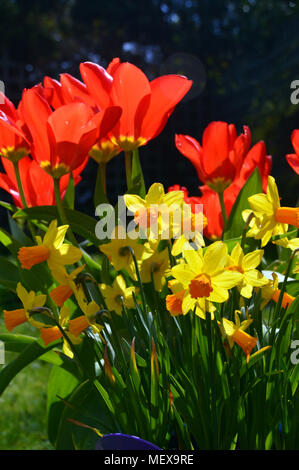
<point>118,295</point>
<point>30,300</point>
<point>269,217</point>
<point>205,278</point>
<point>157,212</point>
<point>234,333</point>
<point>191,237</point>
<point>271,292</point>
<point>174,301</point>
<point>119,254</point>
<point>51,334</point>
<point>51,249</point>
<point>292,244</point>
<point>246,264</point>
<point>155,268</point>
<point>89,319</point>
<point>67,285</point>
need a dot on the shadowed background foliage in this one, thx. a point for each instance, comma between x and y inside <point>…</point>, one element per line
<point>242,56</point>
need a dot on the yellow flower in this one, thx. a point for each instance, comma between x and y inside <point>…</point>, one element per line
<point>292,244</point>
<point>157,212</point>
<point>119,254</point>
<point>269,217</point>
<point>30,300</point>
<point>246,264</point>
<point>90,310</point>
<point>174,301</point>
<point>50,249</point>
<point>118,294</point>
<point>155,267</point>
<point>205,279</point>
<point>67,285</point>
<point>54,333</point>
<point>234,333</point>
<point>271,292</point>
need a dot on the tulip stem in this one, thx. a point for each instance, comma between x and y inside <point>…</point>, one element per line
<point>22,195</point>
<point>19,184</point>
<point>223,211</point>
<point>128,163</point>
<point>61,211</point>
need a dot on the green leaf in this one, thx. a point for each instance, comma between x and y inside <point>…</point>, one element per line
<point>32,352</point>
<point>235,224</point>
<point>17,343</point>
<point>137,185</point>
<point>82,224</point>
<point>61,384</point>
<point>100,196</point>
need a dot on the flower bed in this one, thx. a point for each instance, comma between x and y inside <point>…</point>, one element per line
<point>170,317</point>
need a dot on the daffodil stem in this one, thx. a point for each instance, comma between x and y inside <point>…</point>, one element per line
<point>61,211</point>
<point>223,211</point>
<point>128,163</point>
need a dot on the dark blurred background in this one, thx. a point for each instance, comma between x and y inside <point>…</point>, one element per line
<point>242,56</point>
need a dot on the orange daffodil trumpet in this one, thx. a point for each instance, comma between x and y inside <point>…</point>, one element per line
<point>30,300</point>
<point>50,249</point>
<point>234,333</point>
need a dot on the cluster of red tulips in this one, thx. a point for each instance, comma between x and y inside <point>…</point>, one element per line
<point>58,125</point>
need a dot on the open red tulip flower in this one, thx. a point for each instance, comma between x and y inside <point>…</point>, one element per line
<point>63,138</point>
<point>14,144</point>
<point>293,158</point>
<point>146,106</point>
<point>37,185</point>
<point>220,157</point>
<point>70,90</point>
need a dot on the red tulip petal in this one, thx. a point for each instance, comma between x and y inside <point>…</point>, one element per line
<point>295,140</point>
<point>98,82</point>
<point>36,111</point>
<point>74,90</point>
<point>106,120</point>
<point>166,92</point>
<point>56,99</point>
<point>293,161</point>
<point>129,87</point>
<point>190,148</point>
<point>215,144</point>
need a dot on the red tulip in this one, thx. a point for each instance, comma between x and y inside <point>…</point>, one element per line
<point>63,138</point>
<point>146,106</point>
<point>293,158</point>
<point>218,161</point>
<point>37,185</point>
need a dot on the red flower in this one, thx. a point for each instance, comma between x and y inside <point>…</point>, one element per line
<point>218,161</point>
<point>293,158</point>
<point>63,138</point>
<point>212,208</point>
<point>146,106</point>
<point>14,144</point>
<point>256,158</point>
<point>38,186</point>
